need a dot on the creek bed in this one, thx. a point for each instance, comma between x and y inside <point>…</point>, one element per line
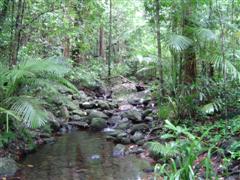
<point>81,156</point>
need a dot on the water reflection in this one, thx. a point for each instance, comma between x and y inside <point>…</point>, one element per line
<point>81,156</point>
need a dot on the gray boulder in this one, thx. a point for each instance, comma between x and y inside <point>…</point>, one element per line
<point>123,125</point>
<point>80,96</point>
<point>54,122</point>
<point>98,124</point>
<point>137,137</point>
<point>79,112</point>
<point>122,135</point>
<point>8,167</point>
<point>88,105</point>
<point>114,119</point>
<point>147,112</point>
<point>119,150</point>
<point>139,127</point>
<point>112,132</point>
<point>79,124</point>
<point>113,104</point>
<point>75,118</point>
<point>103,105</point>
<point>125,140</point>
<point>133,115</point>
<point>148,118</point>
<point>49,140</point>
<point>97,114</point>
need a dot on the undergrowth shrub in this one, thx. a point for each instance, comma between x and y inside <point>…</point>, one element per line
<point>179,154</point>
<point>201,101</point>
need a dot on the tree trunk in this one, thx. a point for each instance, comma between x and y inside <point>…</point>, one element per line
<point>66,40</point>
<point>66,47</point>
<point>174,23</point>
<point>101,43</point>
<point>211,65</point>
<point>190,64</point>
<point>158,32</point>
<point>17,35</point>
<point>110,39</point>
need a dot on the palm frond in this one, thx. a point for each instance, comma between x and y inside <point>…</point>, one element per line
<point>30,111</point>
<point>230,68</point>
<point>212,107</point>
<point>178,42</point>
<point>63,82</point>
<point>33,67</point>
<point>206,34</point>
<point>9,112</point>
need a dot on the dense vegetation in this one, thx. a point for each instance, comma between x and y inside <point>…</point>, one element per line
<point>184,51</point>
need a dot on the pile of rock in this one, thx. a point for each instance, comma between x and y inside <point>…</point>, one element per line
<point>124,121</point>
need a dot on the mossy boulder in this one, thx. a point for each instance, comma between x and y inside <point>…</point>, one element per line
<point>97,114</point>
<point>98,124</point>
<point>134,115</point>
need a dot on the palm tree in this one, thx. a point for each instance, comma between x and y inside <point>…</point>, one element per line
<point>21,86</point>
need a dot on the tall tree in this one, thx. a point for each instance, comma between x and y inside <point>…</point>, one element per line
<point>190,63</point>
<point>210,19</point>
<point>110,38</point>
<point>17,31</point>
<point>159,48</point>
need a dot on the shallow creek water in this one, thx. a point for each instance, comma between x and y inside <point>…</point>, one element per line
<point>81,156</point>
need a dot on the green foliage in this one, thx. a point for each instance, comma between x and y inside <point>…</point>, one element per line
<point>234,150</point>
<point>180,155</point>
<point>178,42</point>
<point>30,111</point>
<point>21,85</point>
<point>122,69</point>
<point>88,74</point>
<point>164,111</point>
<point>167,150</point>
<point>6,137</point>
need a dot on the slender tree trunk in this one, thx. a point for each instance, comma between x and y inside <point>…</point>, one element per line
<point>211,65</point>
<point>233,38</point>
<point>174,55</point>
<point>66,39</point>
<point>66,47</point>
<point>190,64</point>
<point>12,33</point>
<point>101,43</point>
<point>110,39</point>
<point>17,34</point>
<point>180,69</point>
<point>159,48</point>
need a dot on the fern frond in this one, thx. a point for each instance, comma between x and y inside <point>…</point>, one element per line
<point>166,150</point>
<point>212,107</point>
<point>30,111</point>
